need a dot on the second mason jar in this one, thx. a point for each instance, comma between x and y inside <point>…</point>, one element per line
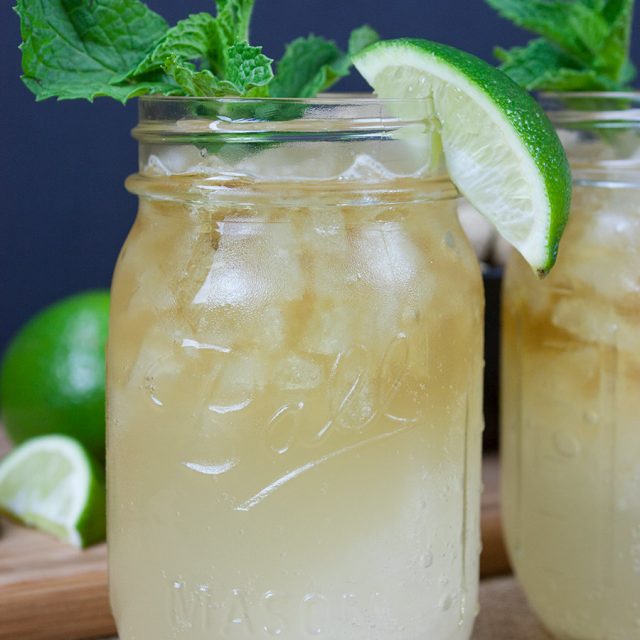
<point>294,379</point>
<point>571,388</point>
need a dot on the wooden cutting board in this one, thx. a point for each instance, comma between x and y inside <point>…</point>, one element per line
<point>51,591</point>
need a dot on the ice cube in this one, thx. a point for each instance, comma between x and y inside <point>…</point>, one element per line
<point>600,254</point>
<point>267,329</point>
<point>255,263</point>
<point>241,378</point>
<point>365,169</point>
<point>296,372</point>
<point>588,320</point>
<point>158,365</point>
<point>175,159</point>
<point>151,295</point>
<point>594,320</point>
<point>386,257</point>
<point>298,161</point>
<point>329,330</point>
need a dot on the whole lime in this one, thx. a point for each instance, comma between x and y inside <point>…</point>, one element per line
<point>52,375</point>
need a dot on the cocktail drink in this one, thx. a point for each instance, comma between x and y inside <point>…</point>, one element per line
<point>295,363</point>
<point>295,343</point>
<point>571,407</point>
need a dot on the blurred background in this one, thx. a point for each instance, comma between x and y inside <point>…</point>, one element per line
<point>65,212</point>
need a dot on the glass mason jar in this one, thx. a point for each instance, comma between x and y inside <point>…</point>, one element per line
<point>294,379</point>
<point>570,388</point>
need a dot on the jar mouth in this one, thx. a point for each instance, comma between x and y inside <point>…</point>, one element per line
<point>592,109</point>
<point>600,132</point>
<point>332,98</point>
<point>330,139</point>
<point>330,116</point>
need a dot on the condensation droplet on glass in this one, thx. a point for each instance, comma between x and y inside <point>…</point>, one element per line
<point>426,560</point>
<point>566,444</point>
<point>449,240</point>
<point>591,416</point>
<point>446,602</point>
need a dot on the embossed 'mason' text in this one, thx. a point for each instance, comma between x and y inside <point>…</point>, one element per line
<point>237,613</point>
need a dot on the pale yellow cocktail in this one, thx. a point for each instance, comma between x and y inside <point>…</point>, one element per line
<point>570,396</point>
<point>294,400</point>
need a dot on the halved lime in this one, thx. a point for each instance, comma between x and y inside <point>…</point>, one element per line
<point>51,483</point>
<point>500,149</point>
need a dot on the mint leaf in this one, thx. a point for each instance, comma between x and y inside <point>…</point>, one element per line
<point>596,5</point>
<point>74,48</point>
<point>613,56</point>
<point>305,69</point>
<point>122,49</point>
<point>235,15</point>
<point>75,91</point>
<point>575,27</point>
<point>576,80</point>
<point>231,26</point>
<point>247,67</point>
<point>628,72</point>
<point>362,37</point>
<point>540,65</point>
<point>312,64</point>
<point>196,83</point>
<point>189,39</point>
<point>584,44</point>
<point>212,41</point>
<point>529,65</point>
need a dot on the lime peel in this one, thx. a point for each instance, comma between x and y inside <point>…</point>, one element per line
<point>500,149</point>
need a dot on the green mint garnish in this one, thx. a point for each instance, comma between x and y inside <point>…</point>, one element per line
<point>74,49</point>
<point>312,64</point>
<point>584,44</point>
<point>122,49</point>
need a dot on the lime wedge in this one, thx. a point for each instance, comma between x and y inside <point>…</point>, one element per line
<point>500,149</point>
<point>51,483</point>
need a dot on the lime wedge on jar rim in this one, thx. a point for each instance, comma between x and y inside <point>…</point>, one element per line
<point>51,483</point>
<point>500,149</point>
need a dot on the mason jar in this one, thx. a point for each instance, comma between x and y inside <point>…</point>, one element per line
<point>571,388</point>
<point>294,378</point>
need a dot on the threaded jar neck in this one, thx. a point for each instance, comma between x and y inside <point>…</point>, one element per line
<point>600,132</point>
<point>334,143</point>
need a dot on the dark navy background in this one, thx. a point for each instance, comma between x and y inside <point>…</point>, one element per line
<point>64,212</point>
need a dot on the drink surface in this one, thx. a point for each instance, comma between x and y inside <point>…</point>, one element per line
<point>570,436</point>
<point>294,416</point>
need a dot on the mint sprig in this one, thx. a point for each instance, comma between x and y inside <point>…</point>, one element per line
<point>74,49</point>
<point>583,44</point>
<point>312,64</point>
<point>122,49</point>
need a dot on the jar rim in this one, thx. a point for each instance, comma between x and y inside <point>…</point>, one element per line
<point>593,109</point>
<point>329,116</point>
<point>631,94</point>
<point>328,98</point>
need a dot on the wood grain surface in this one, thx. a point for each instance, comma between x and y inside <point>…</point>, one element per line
<point>51,591</point>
